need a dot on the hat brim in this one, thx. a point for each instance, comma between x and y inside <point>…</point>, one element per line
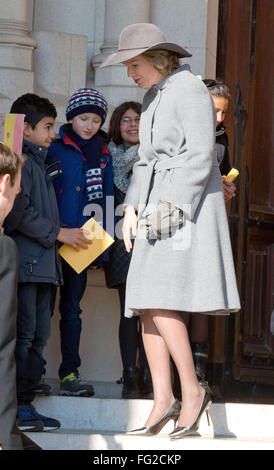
<point>124,55</point>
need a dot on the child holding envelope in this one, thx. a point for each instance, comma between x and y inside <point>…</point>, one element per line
<point>81,192</point>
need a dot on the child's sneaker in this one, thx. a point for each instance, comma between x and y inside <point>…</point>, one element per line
<point>73,386</point>
<point>42,389</point>
<point>27,421</point>
<point>49,423</point>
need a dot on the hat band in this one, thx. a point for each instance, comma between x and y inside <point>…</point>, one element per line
<point>133,48</point>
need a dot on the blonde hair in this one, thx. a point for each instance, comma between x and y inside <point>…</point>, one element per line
<point>164,61</point>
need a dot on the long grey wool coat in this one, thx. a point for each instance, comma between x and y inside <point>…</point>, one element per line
<point>192,270</point>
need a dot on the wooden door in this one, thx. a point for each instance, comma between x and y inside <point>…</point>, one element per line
<point>246,61</point>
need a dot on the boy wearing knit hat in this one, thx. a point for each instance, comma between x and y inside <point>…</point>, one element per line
<point>86,179</point>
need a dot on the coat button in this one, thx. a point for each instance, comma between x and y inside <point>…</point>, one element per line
<point>78,188</point>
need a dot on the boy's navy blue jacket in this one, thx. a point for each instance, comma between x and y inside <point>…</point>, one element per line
<point>33,222</point>
<point>74,203</point>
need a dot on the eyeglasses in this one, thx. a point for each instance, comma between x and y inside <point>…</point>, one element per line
<point>128,120</point>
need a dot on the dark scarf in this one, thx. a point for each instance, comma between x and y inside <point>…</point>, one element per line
<point>92,151</point>
<point>92,148</point>
<point>220,130</point>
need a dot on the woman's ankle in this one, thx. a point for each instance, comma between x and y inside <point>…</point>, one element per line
<point>163,402</point>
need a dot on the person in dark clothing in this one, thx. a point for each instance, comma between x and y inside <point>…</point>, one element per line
<point>82,191</point>
<point>11,438</point>
<point>34,225</point>
<point>220,95</point>
<point>222,149</point>
<point>10,176</point>
<point>123,137</point>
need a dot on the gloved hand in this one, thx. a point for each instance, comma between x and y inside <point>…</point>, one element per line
<point>164,220</point>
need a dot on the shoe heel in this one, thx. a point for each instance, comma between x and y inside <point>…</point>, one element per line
<point>171,414</point>
<point>207,415</point>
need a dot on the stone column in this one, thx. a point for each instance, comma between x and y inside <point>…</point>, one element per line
<point>16,51</point>
<point>113,81</point>
<point>193,25</point>
<point>61,29</point>
<point>60,62</point>
<point>211,38</point>
<point>74,17</point>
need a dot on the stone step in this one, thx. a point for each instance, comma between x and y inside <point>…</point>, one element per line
<point>103,441</point>
<point>101,389</point>
<point>114,415</point>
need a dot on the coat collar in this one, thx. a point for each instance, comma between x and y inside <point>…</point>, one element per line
<point>39,152</point>
<point>64,134</point>
<point>169,78</point>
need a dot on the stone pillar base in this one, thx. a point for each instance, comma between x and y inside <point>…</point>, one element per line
<point>16,52</point>
<point>60,62</point>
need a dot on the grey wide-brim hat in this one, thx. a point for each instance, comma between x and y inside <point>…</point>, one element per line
<point>141,37</point>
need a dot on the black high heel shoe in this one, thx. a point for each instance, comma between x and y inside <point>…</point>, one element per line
<point>182,431</point>
<point>172,413</point>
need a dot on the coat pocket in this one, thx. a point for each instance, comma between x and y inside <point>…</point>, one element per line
<point>30,261</point>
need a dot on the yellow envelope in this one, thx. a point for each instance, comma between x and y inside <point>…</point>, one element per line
<point>101,240</point>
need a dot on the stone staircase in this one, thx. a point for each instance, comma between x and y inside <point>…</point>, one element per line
<point>100,423</point>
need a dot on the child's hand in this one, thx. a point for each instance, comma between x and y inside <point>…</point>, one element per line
<point>74,237</point>
<point>229,189</point>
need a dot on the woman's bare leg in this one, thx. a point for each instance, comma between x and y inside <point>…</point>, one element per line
<point>172,329</point>
<point>159,363</point>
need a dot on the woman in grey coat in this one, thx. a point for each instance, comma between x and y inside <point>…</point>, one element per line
<point>182,261</point>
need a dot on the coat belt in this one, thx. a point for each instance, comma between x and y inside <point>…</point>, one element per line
<point>171,162</point>
<point>156,165</point>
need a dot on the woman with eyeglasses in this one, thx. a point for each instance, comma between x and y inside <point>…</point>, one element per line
<point>123,144</point>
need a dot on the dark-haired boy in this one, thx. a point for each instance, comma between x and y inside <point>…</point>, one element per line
<point>35,227</point>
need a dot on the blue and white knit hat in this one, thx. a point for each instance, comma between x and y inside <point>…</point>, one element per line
<point>87,100</point>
